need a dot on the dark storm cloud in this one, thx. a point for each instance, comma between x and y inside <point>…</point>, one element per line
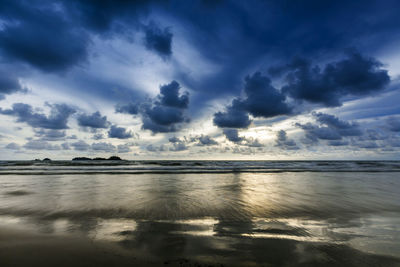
<point>344,128</point>
<point>232,135</point>
<point>367,145</point>
<point>119,132</point>
<point>354,76</point>
<point>168,111</point>
<point>148,124</point>
<point>233,117</point>
<point>375,134</point>
<point>94,120</point>
<point>316,132</point>
<point>41,35</point>
<point>283,142</point>
<point>169,96</point>
<point>40,32</point>
<point>9,84</point>
<point>57,119</point>
<point>106,15</point>
<point>129,108</point>
<point>158,40</point>
<point>261,100</point>
<point>338,143</point>
<point>393,124</point>
<point>277,30</point>
<point>163,114</point>
<point>330,128</point>
<point>234,38</point>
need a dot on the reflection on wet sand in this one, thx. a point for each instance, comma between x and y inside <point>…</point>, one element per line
<point>200,220</point>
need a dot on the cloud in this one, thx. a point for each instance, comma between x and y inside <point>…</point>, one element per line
<point>163,114</point>
<point>367,145</point>
<point>103,146</point>
<point>354,76</point>
<point>50,135</point>
<point>178,146</point>
<point>183,144</point>
<point>233,135</point>
<point>344,128</point>
<point>129,108</point>
<point>41,37</point>
<point>92,15</point>
<point>174,139</point>
<point>205,140</point>
<point>13,146</point>
<point>94,120</point>
<point>252,142</point>
<point>393,124</point>
<point>119,132</point>
<point>8,84</point>
<point>158,40</point>
<point>315,132</point>
<point>153,148</point>
<point>261,100</point>
<point>234,117</point>
<point>166,113</point>
<point>283,142</point>
<point>125,148</point>
<point>338,143</point>
<point>372,134</point>
<point>330,128</point>
<point>65,146</point>
<point>98,136</point>
<point>169,96</point>
<point>40,145</point>
<point>80,145</point>
<point>57,119</point>
<point>148,124</point>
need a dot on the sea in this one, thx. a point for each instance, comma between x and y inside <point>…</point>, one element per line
<point>199,213</point>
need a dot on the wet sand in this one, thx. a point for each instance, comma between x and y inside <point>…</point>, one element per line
<point>231,219</point>
<point>21,248</point>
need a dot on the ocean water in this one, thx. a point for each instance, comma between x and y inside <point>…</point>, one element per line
<point>200,213</point>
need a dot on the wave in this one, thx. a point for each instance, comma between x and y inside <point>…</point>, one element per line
<point>161,167</point>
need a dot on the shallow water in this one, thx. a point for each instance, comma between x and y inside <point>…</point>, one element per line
<point>252,213</point>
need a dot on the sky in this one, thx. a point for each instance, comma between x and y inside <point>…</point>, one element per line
<point>201,79</point>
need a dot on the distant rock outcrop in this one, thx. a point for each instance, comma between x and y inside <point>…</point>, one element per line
<point>114,158</point>
<point>98,158</point>
<point>81,159</point>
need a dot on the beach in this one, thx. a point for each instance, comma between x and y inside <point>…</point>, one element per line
<point>199,213</point>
